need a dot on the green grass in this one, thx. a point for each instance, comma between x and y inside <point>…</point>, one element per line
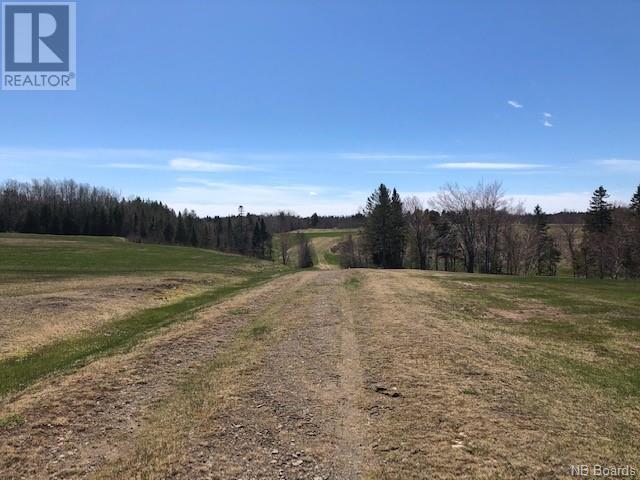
<point>12,420</point>
<point>331,258</point>
<point>53,255</point>
<point>337,233</point>
<point>588,330</point>
<point>352,283</point>
<point>31,257</point>
<point>258,329</point>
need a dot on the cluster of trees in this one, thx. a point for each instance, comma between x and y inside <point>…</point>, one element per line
<point>608,244</point>
<point>285,221</point>
<point>478,230</point>
<point>69,208</point>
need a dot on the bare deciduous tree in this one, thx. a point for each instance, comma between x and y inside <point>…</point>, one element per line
<point>476,214</point>
<point>420,229</point>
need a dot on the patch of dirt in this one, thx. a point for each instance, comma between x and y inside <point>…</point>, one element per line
<point>293,410</point>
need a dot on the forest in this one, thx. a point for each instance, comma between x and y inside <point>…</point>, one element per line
<point>70,208</point>
<point>473,229</point>
<point>478,229</point>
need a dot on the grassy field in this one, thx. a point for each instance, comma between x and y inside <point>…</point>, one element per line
<point>217,365</point>
<point>587,329</point>
<point>70,282</point>
<point>50,255</point>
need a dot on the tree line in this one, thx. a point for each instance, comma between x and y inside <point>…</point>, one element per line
<point>70,208</point>
<point>478,229</point>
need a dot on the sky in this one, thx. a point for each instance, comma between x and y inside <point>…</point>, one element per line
<point>308,106</point>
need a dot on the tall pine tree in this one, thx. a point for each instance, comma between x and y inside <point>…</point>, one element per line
<point>596,242</point>
<point>547,254</point>
<point>598,217</point>
<point>635,202</point>
<point>385,228</point>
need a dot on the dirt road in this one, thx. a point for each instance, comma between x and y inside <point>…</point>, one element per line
<point>321,375</point>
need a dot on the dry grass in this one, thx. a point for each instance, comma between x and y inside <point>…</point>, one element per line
<point>354,374</point>
<point>36,313</point>
<point>479,398</point>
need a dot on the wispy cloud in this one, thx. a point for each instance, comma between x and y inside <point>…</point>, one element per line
<point>619,164</point>
<point>515,104</point>
<point>221,198</point>
<point>394,156</point>
<point>488,166</point>
<point>557,202</point>
<point>194,165</point>
<point>547,123</point>
<point>547,115</point>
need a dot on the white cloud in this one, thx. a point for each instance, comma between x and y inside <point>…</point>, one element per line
<point>394,156</point>
<point>515,104</point>
<point>557,202</point>
<point>222,198</point>
<point>547,115</point>
<point>488,166</point>
<point>547,123</point>
<point>621,165</point>
<point>194,165</point>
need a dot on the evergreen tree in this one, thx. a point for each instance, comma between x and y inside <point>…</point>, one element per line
<point>193,238</point>
<point>597,242</point>
<point>598,217</point>
<point>377,225</point>
<point>314,220</point>
<point>169,233</point>
<point>256,241</point>
<point>181,232</point>
<point>265,237</point>
<point>547,254</point>
<point>635,202</point>
<point>385,228</point>
<point>397,232</point>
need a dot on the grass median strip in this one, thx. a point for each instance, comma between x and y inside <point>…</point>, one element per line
<point>19,372</point>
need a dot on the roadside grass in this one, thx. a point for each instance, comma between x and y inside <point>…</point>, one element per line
<point>586,330</point>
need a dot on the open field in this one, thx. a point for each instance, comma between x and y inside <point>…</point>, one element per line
<point>65,299</point>
<point>331,374</point>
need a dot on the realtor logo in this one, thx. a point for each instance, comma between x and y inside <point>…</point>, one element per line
<point>39,46</point>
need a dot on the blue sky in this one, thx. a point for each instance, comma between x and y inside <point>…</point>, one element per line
<point>308,105</point>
